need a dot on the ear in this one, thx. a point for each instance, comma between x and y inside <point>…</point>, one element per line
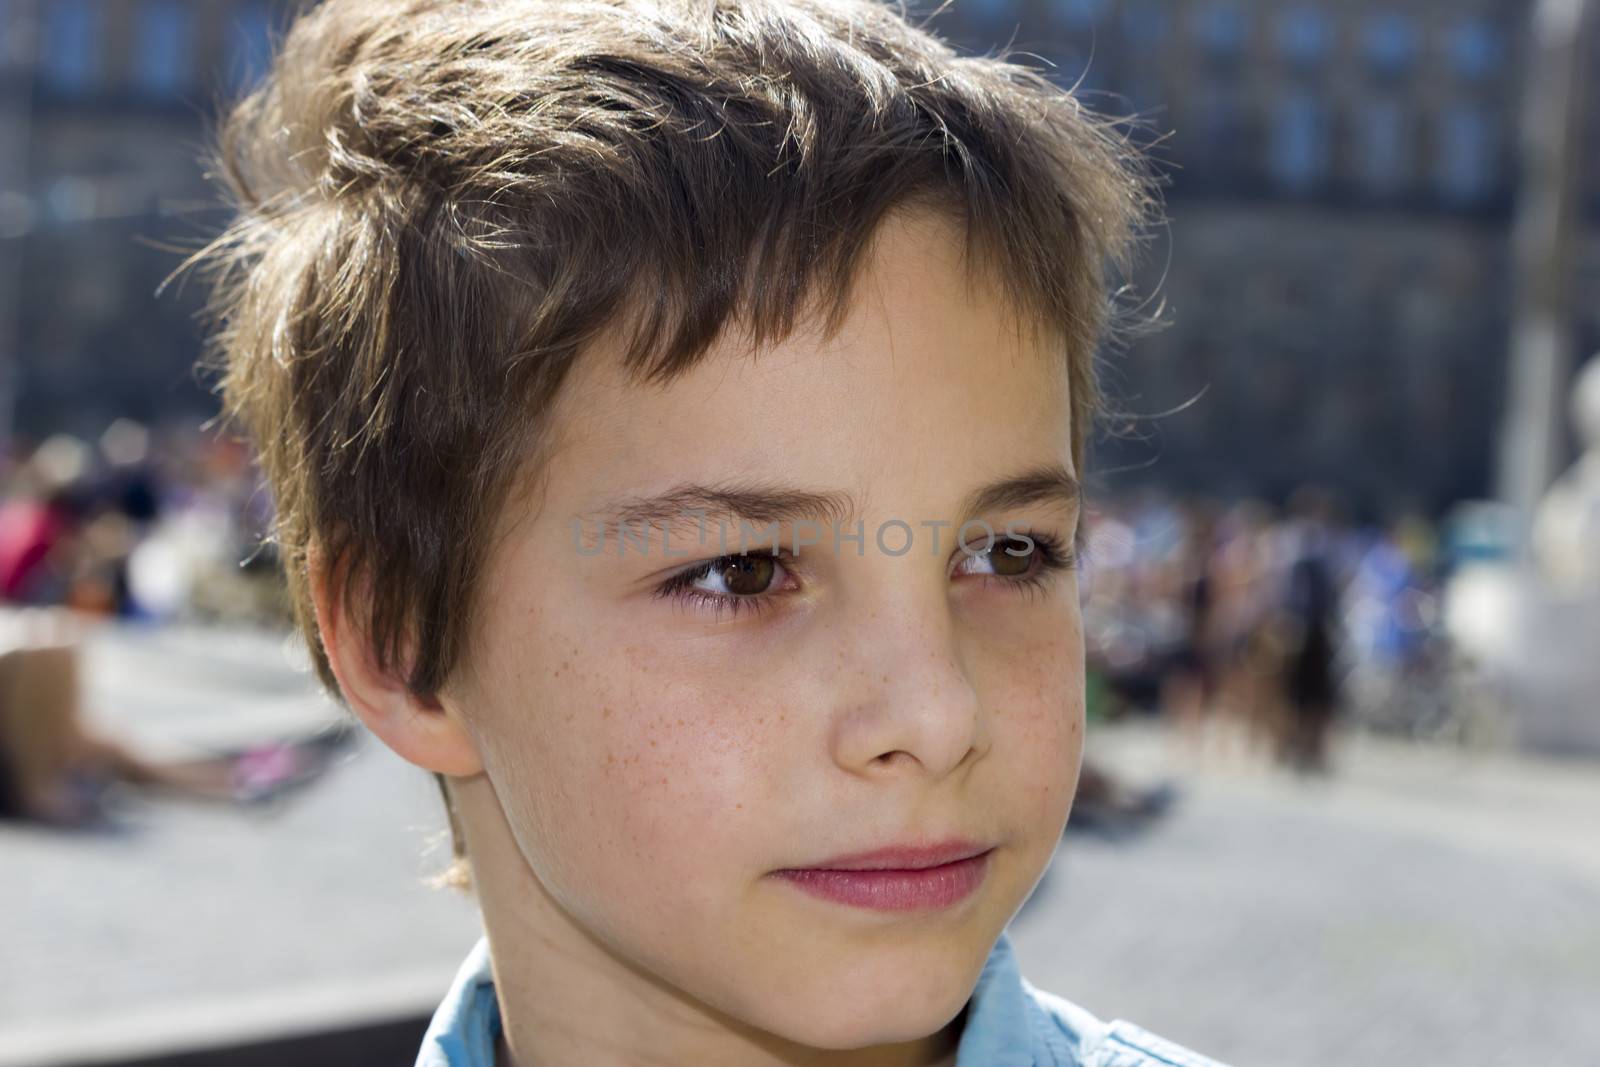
<point>419,728</point>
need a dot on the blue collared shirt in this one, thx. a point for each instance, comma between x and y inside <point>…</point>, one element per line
<point>1009,1023</point>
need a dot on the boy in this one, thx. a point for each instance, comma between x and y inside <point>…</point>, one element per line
<point>674,413</point>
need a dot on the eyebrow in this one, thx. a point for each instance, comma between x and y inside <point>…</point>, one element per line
<point>1049,483</point>
<point>759,504</point>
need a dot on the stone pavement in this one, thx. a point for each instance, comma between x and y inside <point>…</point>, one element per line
<point>197,924</point>
<point>1415,907</point>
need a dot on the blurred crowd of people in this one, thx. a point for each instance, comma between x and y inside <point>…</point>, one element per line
<point>135,526</point>
<point>139,524</point>
<point>1256,625</point>
<point>1246,625</point>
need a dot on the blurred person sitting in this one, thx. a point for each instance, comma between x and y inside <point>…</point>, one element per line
<point>56,769</point>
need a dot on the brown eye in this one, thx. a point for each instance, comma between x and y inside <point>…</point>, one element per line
<point>1007,557</point>
<point>1010,557</point>
<point>748,575</point>
<point>1024,563</point>
<point>735,583</point>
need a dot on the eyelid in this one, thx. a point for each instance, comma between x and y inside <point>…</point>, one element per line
<point>1053,554</point>
<point>708,563</point>
<point>681,585</point>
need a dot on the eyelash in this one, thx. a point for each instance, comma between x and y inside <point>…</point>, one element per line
<point>1053,557</point>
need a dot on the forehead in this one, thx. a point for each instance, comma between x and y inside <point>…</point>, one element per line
<point>932,377</point>
<point>916,315</point>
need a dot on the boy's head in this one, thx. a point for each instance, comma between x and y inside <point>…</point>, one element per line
<point>508,274</point>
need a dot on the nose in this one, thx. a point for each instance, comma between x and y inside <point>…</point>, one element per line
<point>908,703</point>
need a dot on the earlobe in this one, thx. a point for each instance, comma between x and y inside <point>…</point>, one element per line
<point>417,727</point>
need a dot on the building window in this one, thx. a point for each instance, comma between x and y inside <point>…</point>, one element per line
<point>1299,147</point>
<point>1477,49</point>
<point>71,60</point>
<point>164,51</point>
<point>1464,165</point>
<point>1383,144</point>
<point>1390,44</point>
<point>1305,36</point>
<point>1223,31</point>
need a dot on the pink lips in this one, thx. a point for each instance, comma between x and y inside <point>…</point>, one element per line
<point>899,878</point>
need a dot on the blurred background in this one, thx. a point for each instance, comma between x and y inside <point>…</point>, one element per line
<point>1343,578</point>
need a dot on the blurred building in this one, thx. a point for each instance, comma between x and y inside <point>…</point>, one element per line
<point>1337,275</point>
<point>103,107</point>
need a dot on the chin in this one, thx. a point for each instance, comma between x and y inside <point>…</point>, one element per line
<point>862,1006</point>
<point>869,1024</point>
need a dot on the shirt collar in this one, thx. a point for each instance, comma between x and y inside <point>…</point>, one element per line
<point>1006,1025</point>
<point>466,1027</point>
<point>1000,1031</point>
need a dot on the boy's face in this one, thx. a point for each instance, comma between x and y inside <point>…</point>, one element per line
<point>652,761</point>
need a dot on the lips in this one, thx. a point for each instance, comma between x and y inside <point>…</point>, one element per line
<point>903,857</point>
<point>898,878</point>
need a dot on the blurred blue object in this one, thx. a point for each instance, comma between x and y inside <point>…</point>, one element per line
<point>1477,531</point>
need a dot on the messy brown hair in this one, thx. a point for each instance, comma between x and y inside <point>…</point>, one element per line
<point>441,203</point>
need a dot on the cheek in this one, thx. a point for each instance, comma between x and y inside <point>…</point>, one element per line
<point>1050,740</point>
<point>659,760</point>
<point>1039,720</point>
